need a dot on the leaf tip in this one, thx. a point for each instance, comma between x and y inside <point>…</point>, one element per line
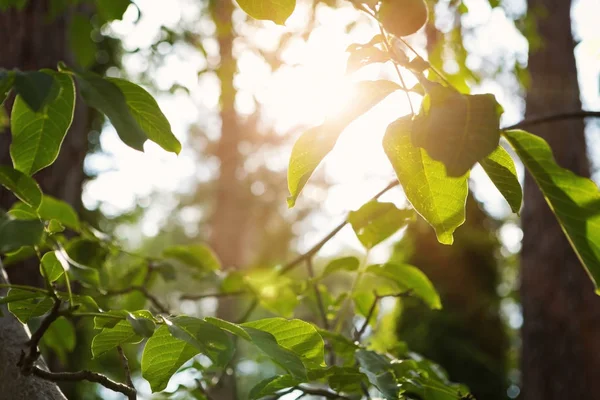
<point>291,201</point>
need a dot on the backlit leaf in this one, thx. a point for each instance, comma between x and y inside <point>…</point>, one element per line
<point>24,187</point>
<point>31,307</point>
<point>575,200</point>
<point>341,264</point>
<point>277,11</point>
<point>314,144</point>
<point>58,210</point>
<point>38,136</point>
<point>375,221</point>
<point>197,256</point>
<point>500,167</point>
<point>272,385</point>
<point>111,338</point>
<point>52,266</point>
<point>438,198</point>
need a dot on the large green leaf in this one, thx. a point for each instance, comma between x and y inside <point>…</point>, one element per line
<point>411,278</point>
<point>18,233</point>
<point>34,88</point>
<point>38,136</point>
<point>375,221</point>
<point>575,200</point>
<point>207,338</point>
<point>299,336</point>
<point>314,144</point>
<point>272,385</point>
<point>197,256</point>
<point>58,210</point>
<point>341,264</point>
<point>379,371</point>
<point>23,186</point>
<point>148,115</point>
<point>277,11</point>
<point>106,97</point>
<point>113,335</point>
<point>31,307</point>
<point>457,129</point>
<point>438,198</point>
<point>163,355</point>
<point>500,167</point>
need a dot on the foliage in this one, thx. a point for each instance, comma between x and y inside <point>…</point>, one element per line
<point>432,153</point>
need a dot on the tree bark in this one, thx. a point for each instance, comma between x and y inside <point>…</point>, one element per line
<point>561,350</point>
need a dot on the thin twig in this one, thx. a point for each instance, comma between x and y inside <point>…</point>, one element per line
<point>365,324</point>
<point>125,366</point>
<point>313,250</point>
<point>157,304</point>
<point>85,376</point>
<point>248,312</point>
<point>213,295</point>
<point>553,118</point>
<point>321,392</point>
<point>315,285</point>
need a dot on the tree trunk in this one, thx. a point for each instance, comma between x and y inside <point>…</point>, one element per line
<point>31,41</point>
<point>561,350</point>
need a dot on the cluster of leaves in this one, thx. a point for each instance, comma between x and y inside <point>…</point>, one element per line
<point>432,153</point>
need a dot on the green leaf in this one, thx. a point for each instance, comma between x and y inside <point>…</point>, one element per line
<point>374,222</point>
<point>24,187</point>
<point>141,324</point>
<point>229,327</point>
<point>272,385</point>
<point>341,264</point>
<point>38,136</point>
<point>109,10</point>
<point>277,11</point>
<point>500,167</point>
<point>574,200</point>
<point>297,335</point>
<point>163,355</point>
<point>58,210</point>
<point>207,338</point>
<point>379,371</point>
<point>198,256</point>
<point>106,97</point>
<point>148,115</point>
<point>347,380</point>
<point>60,337</point>
<point>313,145</point>
<point>110,338</point>
<point>80,39</point>
<point>438,198</point>
<point>52,267</point>
<point>457,129</point>
<point>19,294</point>
<point>34,88</point>
<point>408,277</point>
<point>17,233</point>
<point>31,307</point>
<point>7,79</point>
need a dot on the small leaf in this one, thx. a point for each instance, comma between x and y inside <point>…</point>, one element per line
<point>34,88</point>
<point>52,267</point>
<point>408,277</point>
<point>198,256</point>
<point>80,39</point>
<point>574,200</point>
<point>31,307</point>
<point>439,199</point>
<point>110,338</point>
<point>163,355</point>
<point>297,335</point>
<point>457,129</point>
<point>60,337</point>
<point>38,136</point>
<point>17,233</point>
<point>106,97</point>
<point>375,221</point>
<point>58,210</point>
<point>207,338</point>
<point>277,11</point>
<point>500,167</point>
<point>272,385</point>
<point>24,187</point>
<point>341,264</point>
<point>141,325</point>
<point>379,371</point>
<point>313,145</point>
<point>148,115</point>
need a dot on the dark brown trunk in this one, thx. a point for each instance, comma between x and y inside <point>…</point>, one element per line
<point>561,350</point>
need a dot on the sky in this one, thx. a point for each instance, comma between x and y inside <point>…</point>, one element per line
<point>302,96</point>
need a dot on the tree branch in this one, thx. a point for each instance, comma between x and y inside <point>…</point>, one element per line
<point>125,366</point>
<point>315,285</point>
<point>85,376</point>
<point>365,324</point>
<point>215,295</point>
<point>155,302</point>
<point>554,117</point>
